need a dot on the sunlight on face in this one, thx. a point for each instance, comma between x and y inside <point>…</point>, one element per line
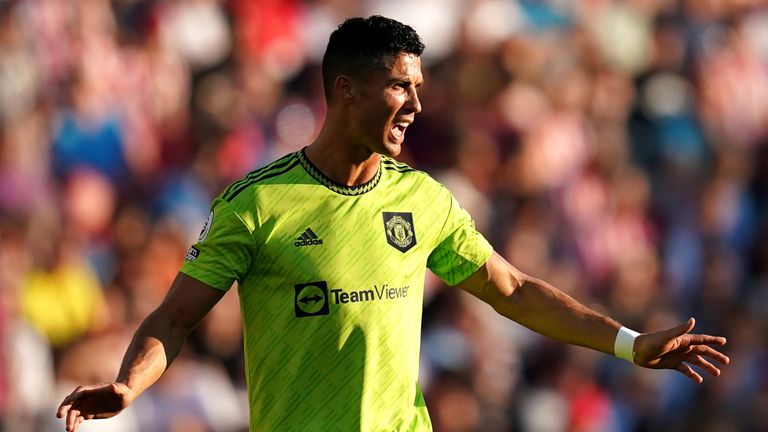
<point>387,104</point>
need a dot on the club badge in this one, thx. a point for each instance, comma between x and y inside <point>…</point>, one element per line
<point>400,231</point>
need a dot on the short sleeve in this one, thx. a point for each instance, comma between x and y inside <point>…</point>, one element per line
<point>224,250</point>
<point>461,250</point>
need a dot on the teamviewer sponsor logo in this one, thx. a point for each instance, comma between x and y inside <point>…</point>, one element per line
<point>378,292</point>
<point>308,238</point>
<point>311,299</point>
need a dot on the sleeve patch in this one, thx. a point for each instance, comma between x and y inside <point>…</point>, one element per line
<point>206,227</point>
<point>192,254</point>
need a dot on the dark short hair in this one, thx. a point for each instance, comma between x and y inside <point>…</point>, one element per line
<point>361,44</point>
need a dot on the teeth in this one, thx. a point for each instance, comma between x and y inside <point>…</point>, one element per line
<point>398,129</point>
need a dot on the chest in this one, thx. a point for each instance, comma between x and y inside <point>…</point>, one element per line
<point>347,233</point>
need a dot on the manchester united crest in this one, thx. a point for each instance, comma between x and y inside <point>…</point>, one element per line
<point>400,231</point>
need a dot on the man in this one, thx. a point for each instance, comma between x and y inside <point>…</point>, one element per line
<point>329,246</point>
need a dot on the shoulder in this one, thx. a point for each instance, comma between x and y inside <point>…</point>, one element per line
<point>407,174</point>
<point>405,171</point>
<point>391,164</point>
<point>276,169</point>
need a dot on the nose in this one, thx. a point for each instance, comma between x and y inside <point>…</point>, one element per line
<point>413,104</point>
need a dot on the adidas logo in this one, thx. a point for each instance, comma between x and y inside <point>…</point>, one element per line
<point>308,238</point>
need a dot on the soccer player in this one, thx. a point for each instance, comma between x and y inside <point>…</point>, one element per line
<point>329,246</point>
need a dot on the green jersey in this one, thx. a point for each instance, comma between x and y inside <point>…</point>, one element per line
<point>331,281</point>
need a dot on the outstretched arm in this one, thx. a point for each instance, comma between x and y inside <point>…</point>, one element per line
<point>546,310</point>
<point>155,345</point>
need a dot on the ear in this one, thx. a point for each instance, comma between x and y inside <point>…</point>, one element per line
<point>344,89</point>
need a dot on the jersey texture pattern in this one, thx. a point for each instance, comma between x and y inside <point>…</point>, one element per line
<point>330,280</point>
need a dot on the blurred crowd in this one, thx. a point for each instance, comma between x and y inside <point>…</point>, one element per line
<point>616,148</point>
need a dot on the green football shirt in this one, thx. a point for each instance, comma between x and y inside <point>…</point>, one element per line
<point>331,281</point>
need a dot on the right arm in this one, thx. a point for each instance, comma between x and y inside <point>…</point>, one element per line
<point>155,345</point>
<point>548,311</point>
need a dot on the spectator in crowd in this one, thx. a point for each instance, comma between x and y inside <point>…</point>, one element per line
<point>646,120</point>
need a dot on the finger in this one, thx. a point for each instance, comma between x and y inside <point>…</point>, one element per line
<point>66,404</point>
<point>63,408</point>
<point>690,373</point>
<point>77,424</point>
<point>680,329</point>
<point>72,419</point>
<point>704,364</point>
<point>70,397</point>
<point>711,353</point>
<point>702,339</point>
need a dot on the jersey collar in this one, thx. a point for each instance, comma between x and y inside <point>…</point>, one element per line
<point>332,185</point>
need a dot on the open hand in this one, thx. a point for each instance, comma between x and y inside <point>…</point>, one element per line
<point>93,402</point>
<point>676,349</point>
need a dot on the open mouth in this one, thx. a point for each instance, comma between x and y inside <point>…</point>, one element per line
<point>398,130</point>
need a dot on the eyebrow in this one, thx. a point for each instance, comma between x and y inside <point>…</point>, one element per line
<point>406,80</point>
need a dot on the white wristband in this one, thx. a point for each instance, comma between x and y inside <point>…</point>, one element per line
<point>624,347</point>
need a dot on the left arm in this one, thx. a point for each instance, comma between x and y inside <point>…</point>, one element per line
<point>546,310</point>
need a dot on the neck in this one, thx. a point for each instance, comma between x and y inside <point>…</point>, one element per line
<point>341,160</point>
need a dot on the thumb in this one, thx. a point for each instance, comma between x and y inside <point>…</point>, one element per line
<point>681,329</point>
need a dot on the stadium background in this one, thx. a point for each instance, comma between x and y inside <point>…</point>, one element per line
<point>618,149</point>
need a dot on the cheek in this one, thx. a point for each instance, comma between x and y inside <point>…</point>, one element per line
<point>379,115</point>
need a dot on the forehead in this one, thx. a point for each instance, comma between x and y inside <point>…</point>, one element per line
<point>404,66</point>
